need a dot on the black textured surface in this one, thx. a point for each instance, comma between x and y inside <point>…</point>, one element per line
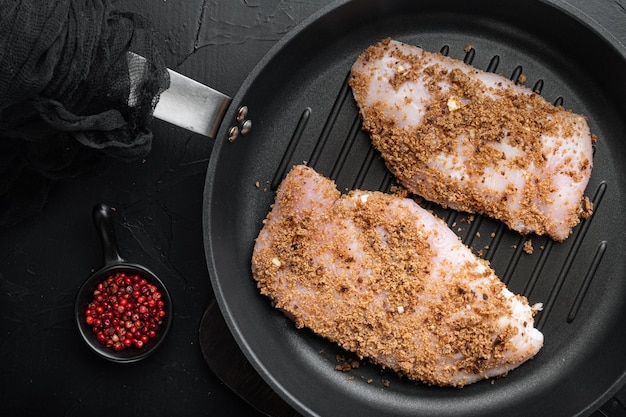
<point>45,368</point>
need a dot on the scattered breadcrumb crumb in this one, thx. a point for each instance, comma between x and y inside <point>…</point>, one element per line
<point>528,247</point>
<point>345,365</point>
<point>586,207</point>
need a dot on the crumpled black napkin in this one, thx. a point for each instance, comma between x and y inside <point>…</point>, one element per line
<point>71,96</point>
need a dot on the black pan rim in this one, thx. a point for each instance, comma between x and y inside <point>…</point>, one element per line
<point>565,8</point>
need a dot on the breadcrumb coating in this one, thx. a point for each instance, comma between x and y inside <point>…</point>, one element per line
<point>387,280</point>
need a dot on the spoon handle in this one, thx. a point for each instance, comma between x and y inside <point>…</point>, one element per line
<point>103,219</point>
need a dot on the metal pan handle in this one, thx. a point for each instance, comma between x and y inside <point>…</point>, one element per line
<point>190,104</point>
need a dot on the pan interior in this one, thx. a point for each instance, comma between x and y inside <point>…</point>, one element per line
<point>302,110</point>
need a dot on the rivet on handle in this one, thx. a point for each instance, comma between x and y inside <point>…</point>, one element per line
<point>233,133</point>
<point>242,112</point>
<point>246,125</point>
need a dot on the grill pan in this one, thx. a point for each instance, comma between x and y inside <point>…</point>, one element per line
<point>302,109</point>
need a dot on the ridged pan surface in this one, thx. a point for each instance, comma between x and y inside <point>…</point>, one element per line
<point>302,109</point>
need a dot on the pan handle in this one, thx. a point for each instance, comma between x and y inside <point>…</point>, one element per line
<point>189,104</point>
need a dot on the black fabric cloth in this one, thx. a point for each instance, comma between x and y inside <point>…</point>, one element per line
<point>72,95</point>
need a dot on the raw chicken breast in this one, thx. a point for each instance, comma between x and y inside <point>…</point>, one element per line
<point>474,141</point>
<point>385,279</point>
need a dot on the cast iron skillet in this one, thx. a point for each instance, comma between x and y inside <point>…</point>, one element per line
<point>302,110</point>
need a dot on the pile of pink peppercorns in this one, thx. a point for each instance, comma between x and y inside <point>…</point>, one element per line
<point>126,311</point>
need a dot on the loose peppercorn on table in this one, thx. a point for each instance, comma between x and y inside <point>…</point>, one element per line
<point>45,368</point>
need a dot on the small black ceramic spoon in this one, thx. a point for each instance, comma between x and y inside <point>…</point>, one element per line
<point>113,264</point>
